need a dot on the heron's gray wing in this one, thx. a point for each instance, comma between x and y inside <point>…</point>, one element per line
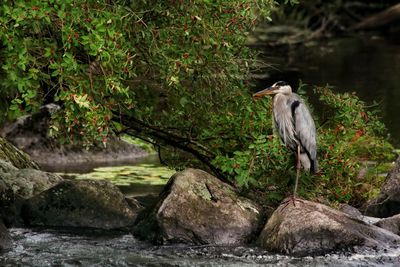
<point>284,120</point>
<point>304,128</point>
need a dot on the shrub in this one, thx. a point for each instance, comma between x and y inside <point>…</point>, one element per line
<point>350,135</point>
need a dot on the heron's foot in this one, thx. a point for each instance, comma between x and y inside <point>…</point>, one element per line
<point>290,200</point>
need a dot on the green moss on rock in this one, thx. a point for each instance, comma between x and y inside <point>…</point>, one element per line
<point>16,157</point>
<point>83,203</point>
<point>196,207</point>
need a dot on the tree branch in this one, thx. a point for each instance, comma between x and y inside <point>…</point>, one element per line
<point>381,19</point>
<point>161,137</point>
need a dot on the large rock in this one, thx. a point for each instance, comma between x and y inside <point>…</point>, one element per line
<point>391,224</point>
<point>5,238</point>
<point>387,203</point>
<point>30,134</point>
<point>83,203</point>
<point>19,184</point>
<point>311,228</point>
<point>195,207</point>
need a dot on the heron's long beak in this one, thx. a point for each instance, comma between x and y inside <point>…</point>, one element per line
<point>268,91</point>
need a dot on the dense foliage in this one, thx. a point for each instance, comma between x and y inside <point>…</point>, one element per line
<point>95,57</point>
<point>173,73</point>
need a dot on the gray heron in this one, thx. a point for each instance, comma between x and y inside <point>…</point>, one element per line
<point>295,126</point>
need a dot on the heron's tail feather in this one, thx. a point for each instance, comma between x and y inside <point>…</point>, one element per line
<point>314,166</point>
<point>309,164</point>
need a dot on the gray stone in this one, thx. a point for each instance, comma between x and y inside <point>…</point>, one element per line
<point>351,211</point>
<point>387,203</point>
<point>195,207</point>
<point>80,203</point>
<point>391,224</point>
<point>311,228</point>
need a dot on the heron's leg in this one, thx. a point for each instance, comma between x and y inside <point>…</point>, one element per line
<point>298,166</point>
<point>293,198</point>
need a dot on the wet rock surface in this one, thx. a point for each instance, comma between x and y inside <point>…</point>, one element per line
<point>388,201</point>
<point>83,203</point>
<point>311,228</point>
<point>195,207</point>
<point>30,134</point>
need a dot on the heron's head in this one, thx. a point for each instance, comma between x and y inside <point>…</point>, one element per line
<point>276,88</point>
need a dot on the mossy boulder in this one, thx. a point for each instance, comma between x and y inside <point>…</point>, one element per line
<point>310,228</point>
<point>19,184</point>
<point>195,207</point>
<point>16,157</point>
<point>27,183</point>
<point>83,203</point>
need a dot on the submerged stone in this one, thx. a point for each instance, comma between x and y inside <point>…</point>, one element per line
<point>195,207</point>
<point>83,203</point>
<point>311,228</point>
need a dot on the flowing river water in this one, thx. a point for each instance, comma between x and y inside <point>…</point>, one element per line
<point>370,66</point>
<point>54,248</point>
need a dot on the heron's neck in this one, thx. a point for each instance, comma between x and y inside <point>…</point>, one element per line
<point>285,94</point>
